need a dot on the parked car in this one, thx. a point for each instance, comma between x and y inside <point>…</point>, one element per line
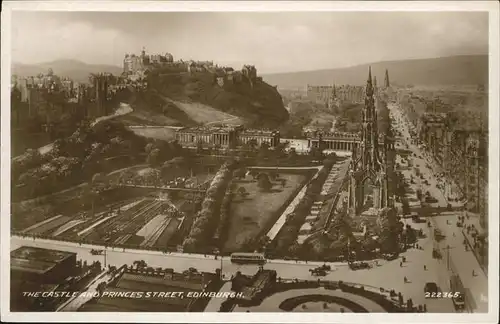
<point>458,301</point>
<point>436,254</point>
<point>390,257</point>
<point>430,288</point>
<point>318,272</point>
<point>359,265</point>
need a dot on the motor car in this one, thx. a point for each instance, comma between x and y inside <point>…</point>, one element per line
<point>318,272</point>
<point>458,301</point>
<point>430,288</point>
<point>359,265</point>
<point>431,200</point>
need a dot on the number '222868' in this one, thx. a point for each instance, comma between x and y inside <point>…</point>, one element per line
<point>442,294</point>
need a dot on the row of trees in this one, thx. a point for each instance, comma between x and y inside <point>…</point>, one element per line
<point>205,223</point>
<point>225,213</point>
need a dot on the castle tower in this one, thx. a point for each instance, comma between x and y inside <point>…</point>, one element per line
<point>101,92</point>
<point>387,84</point>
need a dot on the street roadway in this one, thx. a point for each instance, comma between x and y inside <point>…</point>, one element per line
<point>464,261</point>
<point>376,277</point>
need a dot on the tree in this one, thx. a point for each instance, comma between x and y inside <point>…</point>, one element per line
<point>148,148</point>
<point>405,206</point>
<point>292,154</point>
<point>316,153</point>
<point>199,147</point>
<point>294,249</point>
<point>263,182</point>
<point>154,158</point>
<point>252,144</point>
<point>283,183</point>
<point>242,192</point>
<point>419,194</point>
<point>263,150</point>
<point>240,173</point>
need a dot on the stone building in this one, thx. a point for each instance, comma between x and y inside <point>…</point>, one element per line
<point>224,136</point>
<point>432,132</point>
<point>335,95</point>
<point>270,137</point>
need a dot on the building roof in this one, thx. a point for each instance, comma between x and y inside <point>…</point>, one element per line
<point>37,260</point>
<point>207,129</point>
<point>259,132</point>
<point>338,135</point>
<point>434,117</point>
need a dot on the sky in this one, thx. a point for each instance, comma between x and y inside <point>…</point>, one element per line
<point>274,41</point>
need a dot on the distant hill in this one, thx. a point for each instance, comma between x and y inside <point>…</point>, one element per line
<point>453,70</point>
<point>73,69</point>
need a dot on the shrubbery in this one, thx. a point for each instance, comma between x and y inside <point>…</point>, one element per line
<point>73,159</point>
<point>221,232</point>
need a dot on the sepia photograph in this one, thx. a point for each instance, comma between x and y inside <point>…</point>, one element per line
<point>272,160</point>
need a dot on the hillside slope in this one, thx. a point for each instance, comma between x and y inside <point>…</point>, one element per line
<point>453,70</point>
<point>199,97</point>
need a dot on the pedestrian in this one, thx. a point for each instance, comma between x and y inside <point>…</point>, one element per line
<point>405,279</point>
<point>473,273</point>
<point>425,267</point>
<point>400,264</point>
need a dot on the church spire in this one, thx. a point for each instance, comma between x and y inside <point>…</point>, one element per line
<point>387,84</point>
<point>369,85</point>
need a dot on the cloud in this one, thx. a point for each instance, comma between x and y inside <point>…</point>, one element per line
<point>274,42</point>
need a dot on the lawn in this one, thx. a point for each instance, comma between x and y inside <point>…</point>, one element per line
<point>259,209</point>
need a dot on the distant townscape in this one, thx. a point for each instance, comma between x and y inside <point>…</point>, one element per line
<point>190,177</point>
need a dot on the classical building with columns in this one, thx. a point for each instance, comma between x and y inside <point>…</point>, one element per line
<point>337,141</point>
<point>270,137</point>
<point>370,166</point>
<point>224,136</point>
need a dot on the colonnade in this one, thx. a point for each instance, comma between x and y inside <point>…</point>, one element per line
<point>335,144</point>
<point>193,138</point>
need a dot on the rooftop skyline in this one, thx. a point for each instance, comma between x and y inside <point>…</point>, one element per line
<point>274,41</point>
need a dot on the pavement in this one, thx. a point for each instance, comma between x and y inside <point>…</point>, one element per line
<point>74,303</point>
<point>464,262</point>
<point>272,302</point>
<point>215,303</point>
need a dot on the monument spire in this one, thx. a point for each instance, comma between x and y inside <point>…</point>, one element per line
<point>387,84</point>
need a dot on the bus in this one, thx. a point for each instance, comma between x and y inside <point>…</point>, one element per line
<point>243,258</point>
